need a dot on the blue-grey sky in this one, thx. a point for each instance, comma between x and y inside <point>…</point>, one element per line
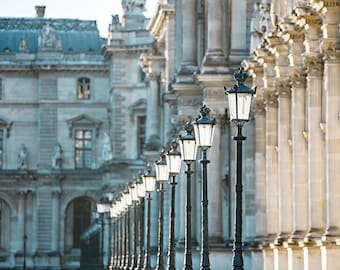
<point>99,10</point>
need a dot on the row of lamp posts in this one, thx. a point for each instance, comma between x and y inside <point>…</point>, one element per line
<point>199,134</point>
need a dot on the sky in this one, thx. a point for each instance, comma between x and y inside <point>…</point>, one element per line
<point>99,10</point>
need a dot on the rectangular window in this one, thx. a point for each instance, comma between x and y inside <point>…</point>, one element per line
<point>83,88</point>
<point>141,125</point>
<point>83,148</point>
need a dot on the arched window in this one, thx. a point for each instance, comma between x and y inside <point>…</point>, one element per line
<point>83,88</point>
<point>78,219</point>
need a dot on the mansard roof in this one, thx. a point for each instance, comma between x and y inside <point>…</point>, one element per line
<point>75,35</point>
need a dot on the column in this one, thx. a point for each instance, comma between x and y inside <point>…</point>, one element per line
<point>295,258</point>
<point>215,188</point>
<point>332,115</point>
<point>239,32</point>
<point>272,183</point>
<point>152,65</point>
<point>55,221</point>
<point>189,40</point>
<point>312,258</point>
<point>214,55</point>
<point>315,150</point>
<point>21,220</point>
<point>268,259</point>
<point>260,170</point>
<point>285,163</point>
<point>299,145</point>
<point>280,258</point>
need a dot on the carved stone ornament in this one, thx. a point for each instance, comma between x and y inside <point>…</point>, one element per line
<point>48,38</point>
<point>133,6</point>
<point>81,122</point>
<point>22,157</point>
<point>107,148</point>
<point>57,159</point>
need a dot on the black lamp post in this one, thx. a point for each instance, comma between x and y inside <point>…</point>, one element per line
<point>141,194</point>
<point>149,181</point>
<point>102,207</point>
<point>174,166</point>
<point>188,151</point>
<point>120,264</point>
<point>204,130</point>
<point>113,230</point>
<point>239,100</point>
<point>162,175</point>
<point>128,203</point>
<point>135,199</point>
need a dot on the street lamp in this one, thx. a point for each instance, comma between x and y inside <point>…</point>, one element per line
<point>121,206</point>
<point>113,215</point>
<point>141,194</point>
<point>135,199</point>
<point>128,204</point>
<point>239,100</point>
<point>102,207</point>
<point>162,175</point>
<point>149,180</point>
<point>188,151</point>
<point>204,131</point>
<point>174,166</point>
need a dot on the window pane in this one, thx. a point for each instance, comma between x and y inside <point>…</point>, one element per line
<point>83,88</point>
<point>83,149</point>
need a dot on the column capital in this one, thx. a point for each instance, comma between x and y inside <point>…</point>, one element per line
<point>152,65</point>
<point>283,87</point>
<point>270,98</point>
<point>314,64</point>
<point>259,105</point>
<point>330,49</point>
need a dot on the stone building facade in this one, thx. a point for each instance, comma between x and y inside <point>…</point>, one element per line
<point>80,116</point>
<point>56,151</point>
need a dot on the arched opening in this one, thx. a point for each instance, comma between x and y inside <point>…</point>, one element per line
<point>78,217</point>
<point>5,228</point>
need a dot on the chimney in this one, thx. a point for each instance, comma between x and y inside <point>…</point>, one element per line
<point>40,11</point>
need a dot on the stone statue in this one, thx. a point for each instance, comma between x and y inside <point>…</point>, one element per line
<point>48,38</point>
<point>22,157</point>
<point>57,156</point>
<point>23,45</point>
<point>107,149</point>
<point>133,6</point>
<point>115,23</point>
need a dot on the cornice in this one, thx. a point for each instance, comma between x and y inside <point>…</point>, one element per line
<point>157,22</point>
<point>109,50</point>
<point>54,68</point>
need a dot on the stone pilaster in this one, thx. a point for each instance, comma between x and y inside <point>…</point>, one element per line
<point>189,41</point>
<point>285,163</point>
<point>55,221</point>
<point>153,66</point>
<point>214,59</point>
<point>21,220</point>
<point>272,191</point>
<point>315,136</point>
<point>268,259</point>
<point>272,184</point>
<point>295,258</point>
<point>331,82</point>
<point>312,258</point>
<point>299,146</point>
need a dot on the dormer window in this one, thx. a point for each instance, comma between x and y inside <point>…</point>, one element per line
<point>83,88</point>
